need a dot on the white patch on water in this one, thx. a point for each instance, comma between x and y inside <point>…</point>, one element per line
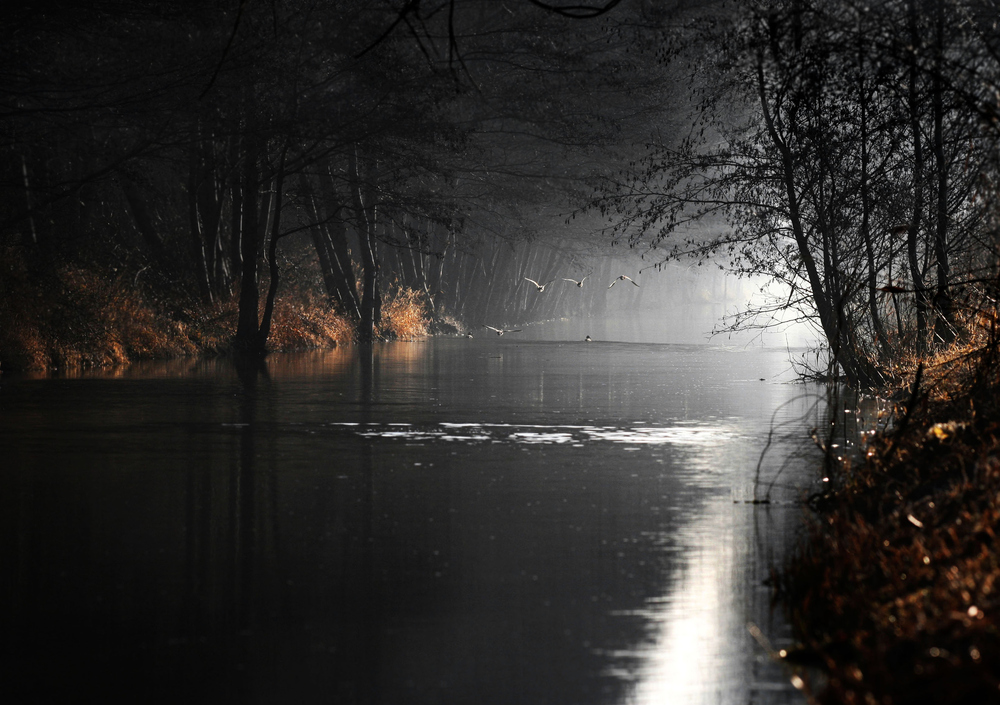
<point>538,434</point>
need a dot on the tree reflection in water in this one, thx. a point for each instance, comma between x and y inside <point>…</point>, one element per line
<point>273,534</point>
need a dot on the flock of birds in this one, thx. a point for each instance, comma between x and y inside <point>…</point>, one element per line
<point>541,287</point>
<point>579,282</point>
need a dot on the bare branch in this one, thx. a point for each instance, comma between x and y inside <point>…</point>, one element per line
<point>577,12</point>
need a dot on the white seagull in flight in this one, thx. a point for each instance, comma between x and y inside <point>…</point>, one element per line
<point>621,277</point>
<point>501,331</point>
<point>540,287</point>
<point>578,282</point>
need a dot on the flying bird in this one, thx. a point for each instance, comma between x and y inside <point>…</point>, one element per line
<point>578,282</point>
<point>540,287</point>
<point>621,277</point>
<point>501,331</point>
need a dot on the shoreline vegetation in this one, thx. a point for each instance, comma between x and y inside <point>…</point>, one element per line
<point>286,161</point>
<point>84,317</point>
<point>895,593</point>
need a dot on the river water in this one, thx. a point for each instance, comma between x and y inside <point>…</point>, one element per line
<point>532,519</point>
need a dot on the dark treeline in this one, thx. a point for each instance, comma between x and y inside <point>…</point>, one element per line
<point>847,150</point>
<point>191,149</point>
<point>199,155</point>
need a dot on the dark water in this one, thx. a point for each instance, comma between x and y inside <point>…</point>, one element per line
<point>448,521</point>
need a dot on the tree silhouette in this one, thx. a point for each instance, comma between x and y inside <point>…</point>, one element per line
<point>809,161</point>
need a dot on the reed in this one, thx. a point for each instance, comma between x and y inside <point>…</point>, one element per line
<point>79,317</point>
<point>303,321</point>
<point>404,314</point>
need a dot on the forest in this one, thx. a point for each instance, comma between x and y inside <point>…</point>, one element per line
<point>253,176</point>
<point>185,177</point>
<point>239,176</point>
<point>849,151</point>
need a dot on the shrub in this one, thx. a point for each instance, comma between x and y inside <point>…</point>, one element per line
<point>404,314</point>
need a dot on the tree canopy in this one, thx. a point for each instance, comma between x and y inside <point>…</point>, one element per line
<point>183,142</point>
<point>846,150</point>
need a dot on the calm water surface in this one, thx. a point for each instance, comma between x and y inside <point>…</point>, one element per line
<point>496,520</point>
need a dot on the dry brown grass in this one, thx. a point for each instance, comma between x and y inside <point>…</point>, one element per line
<point>303,321</point>
<point>404,314</point>
<point>897,593</point>
<point>79,317</point>
<point>950,370</point>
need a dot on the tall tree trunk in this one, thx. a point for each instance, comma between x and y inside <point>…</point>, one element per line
<point>337,232</point>
<point>266,212</point>
<point>236,208</point>
<point>831,313</point>
<point>339,284</point>
<point>323,249</point>
<point>365,214</point>
<point>206,220</point>
<point>143,220</point>
<point>496,282</point>
<point>944,329</point>
<point>29,209</point>
<point>222,274</point>
<point>272,253</point>
<point>197,228</point>
<point>210,201</point>
<point>920,297</point>
<point>881,338</point>
<point>342,257</point>
<point>247,323</point>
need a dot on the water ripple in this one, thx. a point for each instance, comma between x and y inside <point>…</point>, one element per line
<point>536,434</point>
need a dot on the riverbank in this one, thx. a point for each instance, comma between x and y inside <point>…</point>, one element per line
<point>896,594</point>
<point>79,317</point>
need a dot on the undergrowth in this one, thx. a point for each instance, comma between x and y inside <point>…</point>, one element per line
<point>78,316</point>
<point>896,595</point>
<point>404,314</point>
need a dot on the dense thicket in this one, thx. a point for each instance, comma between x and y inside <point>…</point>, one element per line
<point>185,145</point>
<point>848,150</point>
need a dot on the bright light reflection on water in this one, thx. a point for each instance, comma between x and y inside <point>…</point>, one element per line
<point>450,521</point>
<point>693,641</point>
<point>673,435</point>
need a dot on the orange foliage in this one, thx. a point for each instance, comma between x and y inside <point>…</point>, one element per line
<point>80,317</point>
<point>897,594</point>
<point>404,314</point>
<point>302,321</point>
